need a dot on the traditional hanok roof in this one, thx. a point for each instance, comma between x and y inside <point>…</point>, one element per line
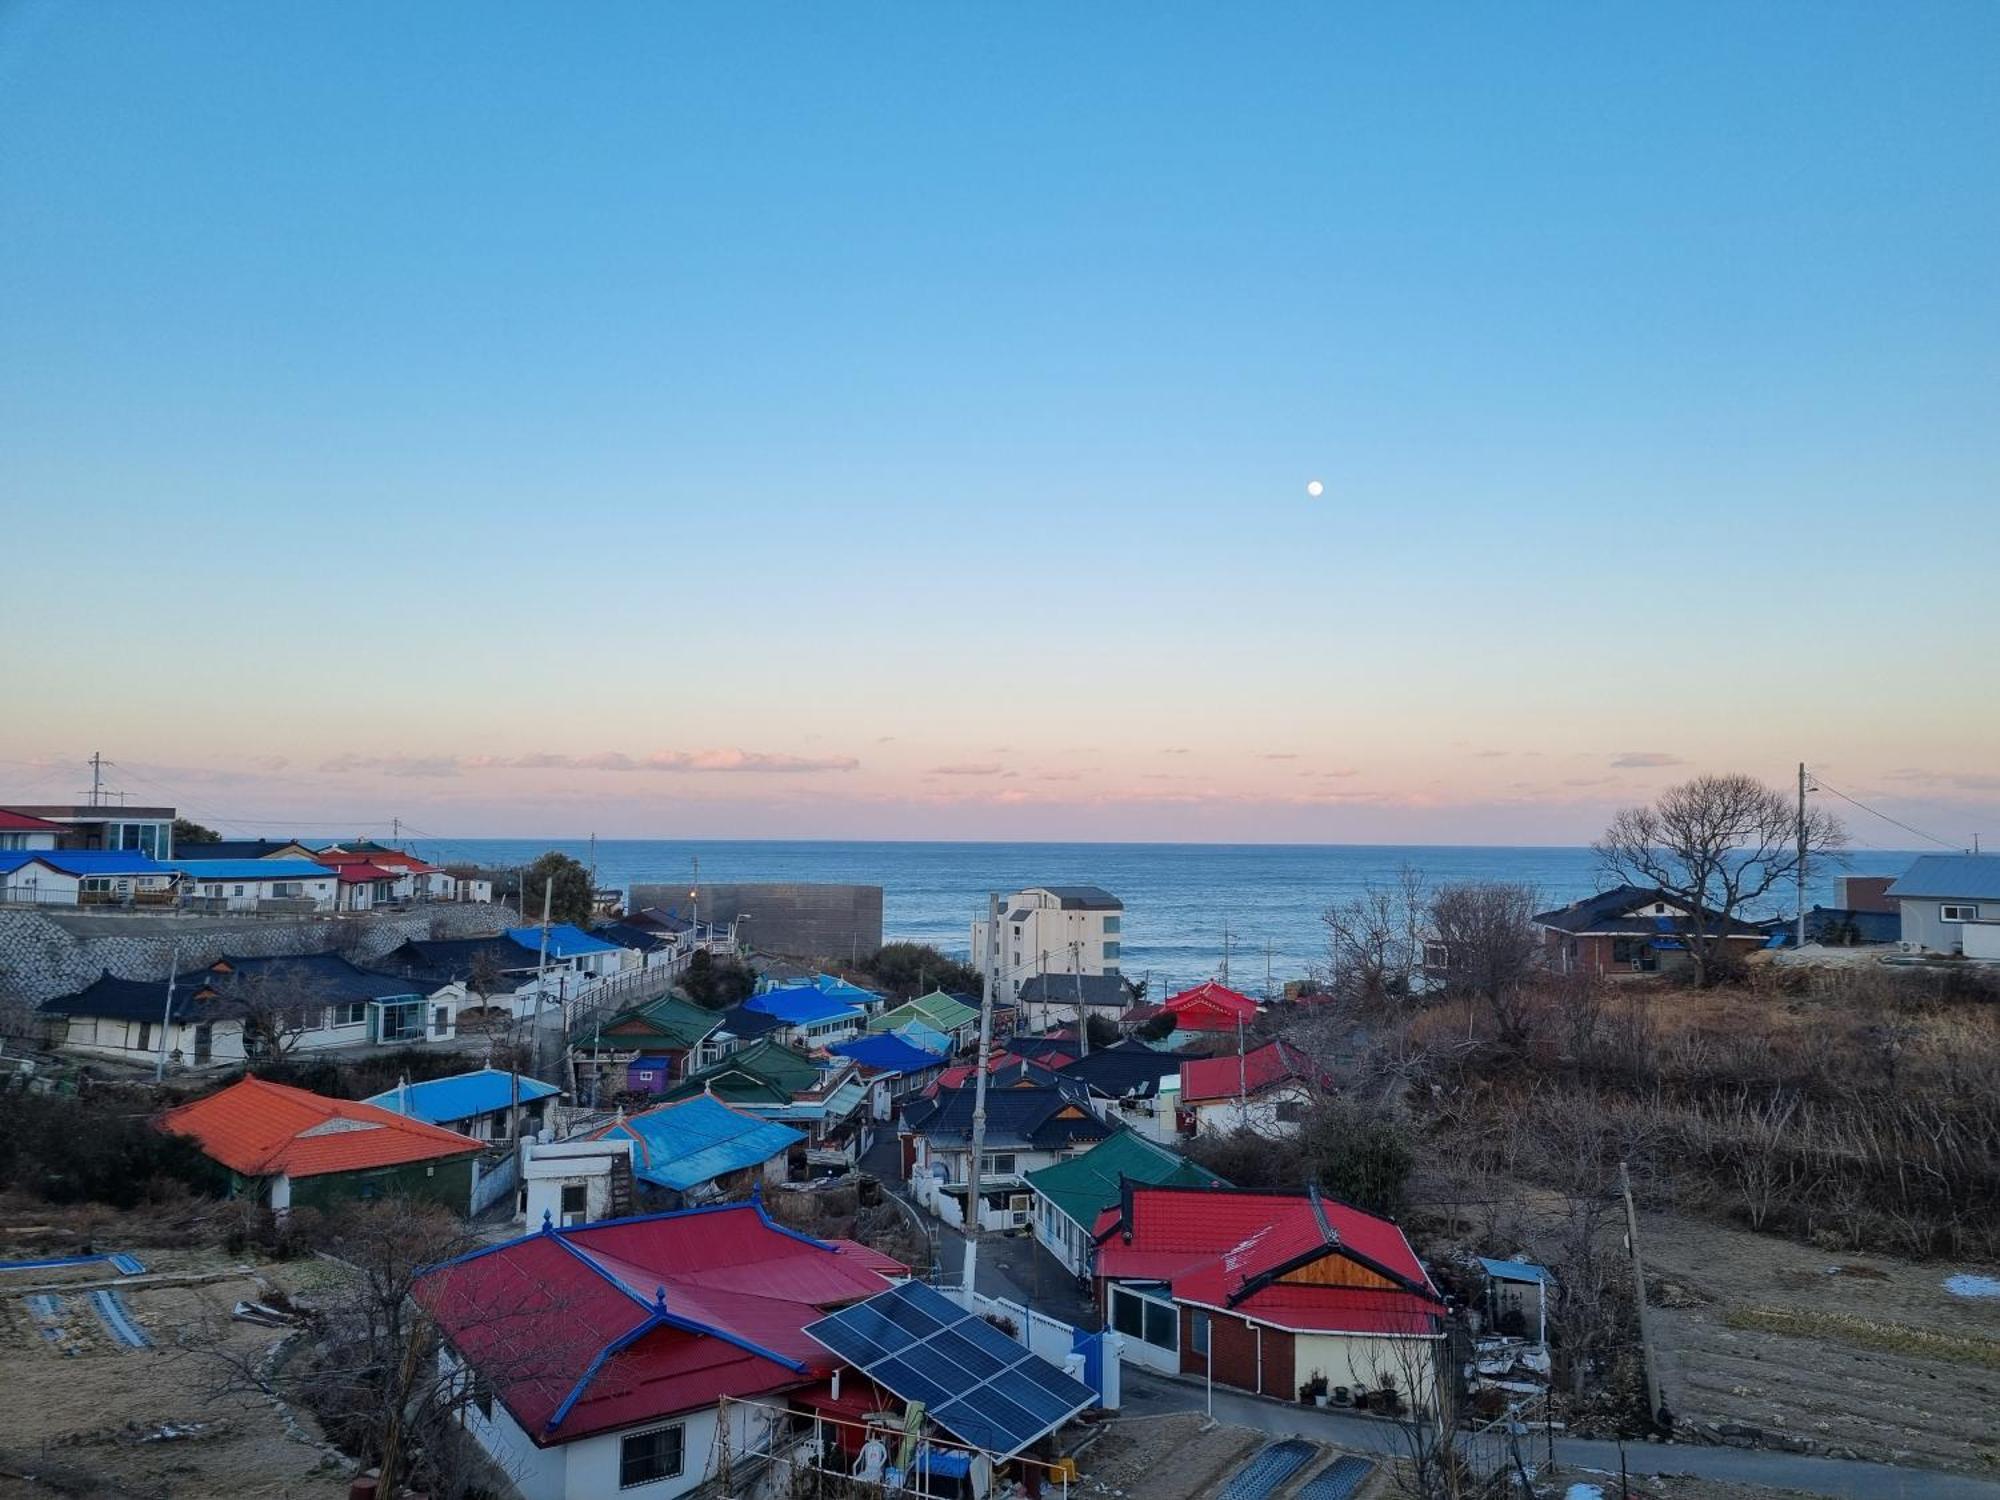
<point>565,941</point>
<point>1207,1079</point>
<point>936,1010</point>
<point>1210,1006</point>
<point>447,959</point>
<point>1125,1070</point>
<point>1616,913</point>
<point>1964,877</point>
<point>603,1326</point>
<point>762,1073</point>
<point>461,1096</point>
<point>747,1025</point>
<point>247,849</point>
<point>1300,1261</point>
<point>308,978</point>
<point>1102,991</point>
<point>631,935</point>
<point>1017,1119</point>
<point>261,1129</point>
<point>676,1022</point>
<point>681,1146</point>
<point>126,999</point>
<point>888,1053</point>
<point>1085,1186</point>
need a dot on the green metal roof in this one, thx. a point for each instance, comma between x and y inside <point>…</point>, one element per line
<point>936,1010</point>
<point>762,1073</point>
<point>1084,1186</point>
<point>670,1019</point>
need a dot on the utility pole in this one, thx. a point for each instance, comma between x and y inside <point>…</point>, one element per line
<point>694,901</point>
<point>1802,854</point>
<point>96,777</point>
<point>1225,950</point>
<point>972,1202</point>
<point>1082,1016</point>
<point>167,1014</point>
<point>395,830</point>
<point>1639,1295</point>
<point>542,968</point>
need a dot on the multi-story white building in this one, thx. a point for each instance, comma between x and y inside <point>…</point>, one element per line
<point>1052,929</point>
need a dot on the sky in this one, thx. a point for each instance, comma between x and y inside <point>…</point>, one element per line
<point>895,420</point>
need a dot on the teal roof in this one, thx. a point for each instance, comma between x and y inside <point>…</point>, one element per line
<point>680,1146</point>
<point>1084,1186</point>
<point>439,1101</point>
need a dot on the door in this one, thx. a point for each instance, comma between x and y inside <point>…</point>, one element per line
<point>204,1042</point>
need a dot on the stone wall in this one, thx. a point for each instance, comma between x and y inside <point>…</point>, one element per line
<point>44,953</point>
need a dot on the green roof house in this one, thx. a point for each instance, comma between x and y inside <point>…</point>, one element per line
<point>936,1010</point>
<point>1070,1195</point>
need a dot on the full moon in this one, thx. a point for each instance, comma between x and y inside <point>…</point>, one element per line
<point>1315,489</point>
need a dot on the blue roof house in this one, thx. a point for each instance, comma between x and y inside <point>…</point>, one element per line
<point>895,1067</point>
<point>85,877</point>
<point>1947,902</point>
<point>701,1149</point>
<point>477,1104</point>
<point>572,945</point>
<point>808,1014</point>
<point>257,885</point>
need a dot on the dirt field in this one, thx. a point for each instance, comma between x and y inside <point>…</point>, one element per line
<point>87,1415</point>
<point>1855,1353</point>
<point>1164,1458</point>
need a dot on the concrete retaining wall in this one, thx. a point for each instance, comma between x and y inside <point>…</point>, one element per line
<point>788,919</point>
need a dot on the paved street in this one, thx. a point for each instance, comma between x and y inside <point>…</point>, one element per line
<point>1147,1394</point>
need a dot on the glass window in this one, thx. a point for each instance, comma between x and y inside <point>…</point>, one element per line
<point>350,1014</point>
<point>1110,950</point>
<point>1128,1314</point>
<point>648,1457</point>
<point>1162,1325</point>
<point>1111,925</point>
<point>1198,1332</point>
<point>1958,913</point>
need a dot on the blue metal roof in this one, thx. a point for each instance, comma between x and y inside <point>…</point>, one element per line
<point>252,869</point>
<point>439,1101</point>
<point>680,1146</point>
<point>1517,1270</point>
<point>929,1038</point>
<point>1974,877</point>
<point>801,1005</point>
<point>887,1053</point>
<point>565,941</point>
<point>99,862</point>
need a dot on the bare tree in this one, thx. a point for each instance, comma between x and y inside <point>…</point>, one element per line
<point>1715,846</point>
<point>276,1006</point>
<point>1374,941</point>
<point>1482,945</point>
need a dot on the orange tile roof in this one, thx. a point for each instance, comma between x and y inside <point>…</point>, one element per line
<point>261,1129</point>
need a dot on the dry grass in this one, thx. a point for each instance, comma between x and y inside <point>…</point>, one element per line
<point>1865,1333</point>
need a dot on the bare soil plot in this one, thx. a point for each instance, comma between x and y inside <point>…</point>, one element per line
<point>1852,1353</point>
<point>88,1415</point>
<point>1164,1458</point>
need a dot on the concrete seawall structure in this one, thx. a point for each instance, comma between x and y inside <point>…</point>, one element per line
<point>788,919</point>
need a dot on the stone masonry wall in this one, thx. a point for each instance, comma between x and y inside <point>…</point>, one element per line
<point>44,954</point>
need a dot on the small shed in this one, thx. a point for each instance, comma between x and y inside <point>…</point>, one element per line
<point>1519,1286</point>
<point>649,1073</point>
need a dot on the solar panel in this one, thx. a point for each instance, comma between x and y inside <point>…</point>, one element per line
<point>976,1382</point>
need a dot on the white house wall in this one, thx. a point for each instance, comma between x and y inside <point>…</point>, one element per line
<point>1360,1361</point>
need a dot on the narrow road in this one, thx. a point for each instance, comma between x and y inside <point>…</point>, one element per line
<point>1147,1394</point>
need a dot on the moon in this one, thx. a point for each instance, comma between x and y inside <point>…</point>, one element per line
<point>1315,488</point>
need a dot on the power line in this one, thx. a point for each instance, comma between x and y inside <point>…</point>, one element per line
<point>1825,785</point>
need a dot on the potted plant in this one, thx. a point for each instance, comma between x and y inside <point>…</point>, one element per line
<point>1316,1388</point>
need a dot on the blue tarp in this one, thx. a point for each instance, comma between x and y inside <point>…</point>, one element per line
<point>1516,1270</point>
<point>680,1146</point>
<point>929,1038</point>
<point>438,1101</point>
<point>565,941</point>
<point>887,1053</point>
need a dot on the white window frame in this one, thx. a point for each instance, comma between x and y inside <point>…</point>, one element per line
<point>1958,911</point>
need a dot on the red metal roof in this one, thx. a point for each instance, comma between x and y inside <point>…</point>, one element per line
<point>16,822</point>
<point>362,874</point>
<point>1210,1078</point>
<point>588,1329</point>
<point>1210,1007</point>
<point>1223,1248</point>
<point>261,1129</point>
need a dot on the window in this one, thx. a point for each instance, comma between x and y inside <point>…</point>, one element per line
<point>575,1203</point>
<point>1624,950</point>
<point>1111,925</point>
<point>349,1013</point>
<point>998,1164</point>
<point>1958,914</point>
<point>1110,952</point>
<point>1290,1111</point>
<point>1198,1332</point>
<point>648,1457</point>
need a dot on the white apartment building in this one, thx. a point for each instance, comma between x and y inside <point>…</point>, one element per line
<point>1052,929</point>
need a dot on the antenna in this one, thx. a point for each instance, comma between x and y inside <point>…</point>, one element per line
<point>96,777</point>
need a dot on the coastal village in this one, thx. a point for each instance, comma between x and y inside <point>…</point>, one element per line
<point>650,1191</point>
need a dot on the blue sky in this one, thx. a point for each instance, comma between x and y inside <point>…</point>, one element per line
<point>902,414</point>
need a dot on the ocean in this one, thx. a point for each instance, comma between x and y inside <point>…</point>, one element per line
<point>1179,898</point>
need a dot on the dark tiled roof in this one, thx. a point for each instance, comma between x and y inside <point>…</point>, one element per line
<point>237,848</point>
<point>1109,990</point>
<point>749,1024</point>
<point>126,999</point>
<point>446,959</point>
<point>1083,897</point>
<point>1046,1119</point>
<point>629,935</point>
<point>1609,912</point>
<point>1127,1069</point>
<point>311,976</point>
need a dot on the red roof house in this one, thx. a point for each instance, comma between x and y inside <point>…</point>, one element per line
<point>1210,1007</point>
<point>591,1337</point>
<point>1276,1289</point>
<point>303,1148</point>
<point>19,822</point>
<point>1267,1090</point>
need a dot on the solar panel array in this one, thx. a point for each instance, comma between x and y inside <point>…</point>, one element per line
<point>977,1383</point>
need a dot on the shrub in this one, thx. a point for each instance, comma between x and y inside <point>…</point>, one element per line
<point>64,1149</point>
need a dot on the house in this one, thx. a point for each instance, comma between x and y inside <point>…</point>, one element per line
<point>737,1028</point>
<point>1051,929</point>
<point>416,879</point>
<point>575,1182</point>
<point>18,831</point>
<point>479,1104</point>
<point>244,1007</point>
<point>1209,1007</point>
<point>1267,1089</point>
<point>507,968</point>
<point>363,886</point>
<point>1517,1297</point>
<point>808,1016</point>
<point>293,1149</point>
<point>645,948</point>
<point>85,877</point>
<point>1270,1292</point>
<point>600,1355</point>
<point>644,1049</point>
<point>937,1010</point>
<point>1032,1126</point>
<point>572,946</point>
<point>1940,894</point>
<point>133,830</point>
<point>1631,930</point>
<point>268,884</point>
<point>827,1100</point>
<point>894,1067</point>
<point>249,849</point>
<point>1045,1000</point>
<point>1072,1196</point>
<point>699,1149</point>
